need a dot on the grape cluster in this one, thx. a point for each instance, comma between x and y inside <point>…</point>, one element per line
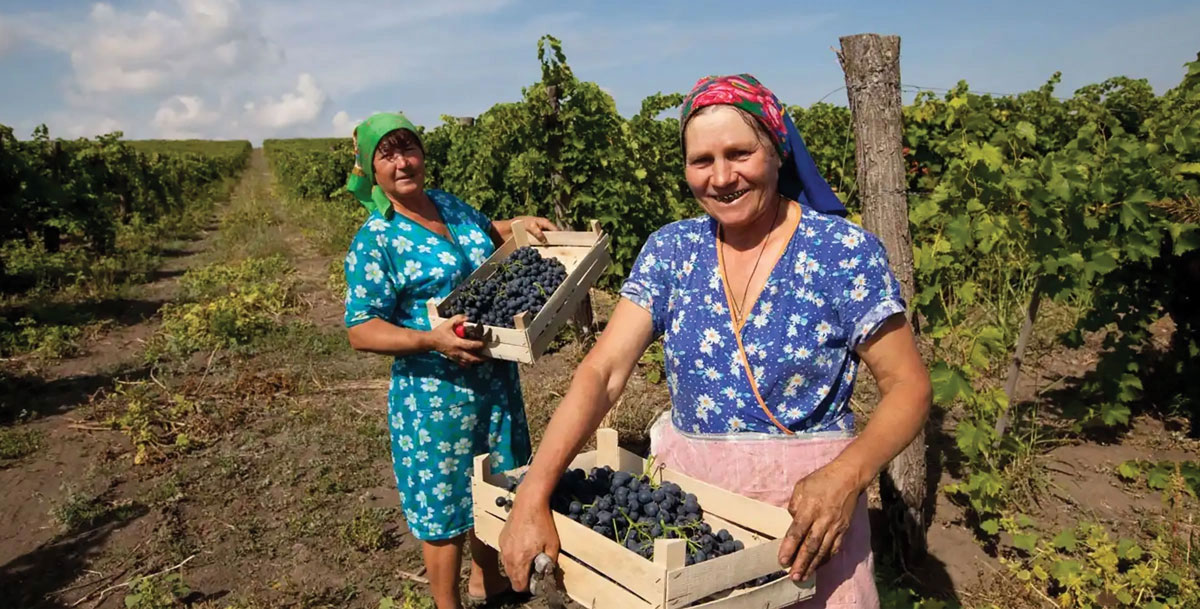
<point>523,282</point>
<point>634,511</point>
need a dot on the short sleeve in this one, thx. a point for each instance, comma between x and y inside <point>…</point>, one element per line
<point>371,290</point>
<point>469,214</point>
<point>649,284</point>
<point>869,292</point>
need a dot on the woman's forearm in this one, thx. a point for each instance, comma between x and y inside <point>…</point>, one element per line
<point>899,416</point>
<point>379,336</point>
<point>587,401</point>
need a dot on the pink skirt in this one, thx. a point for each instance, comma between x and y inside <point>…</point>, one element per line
<point>767,468</point>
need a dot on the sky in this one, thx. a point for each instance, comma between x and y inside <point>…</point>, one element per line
<point>230,69</point>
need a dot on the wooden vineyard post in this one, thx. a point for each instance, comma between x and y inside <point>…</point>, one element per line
<point>872,67</point>
<point>582,319</point>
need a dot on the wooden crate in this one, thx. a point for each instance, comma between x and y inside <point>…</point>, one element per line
<point>600,573</point>
<point>585,256</point>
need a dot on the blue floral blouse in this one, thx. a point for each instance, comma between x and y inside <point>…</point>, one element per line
<point>829,292</point>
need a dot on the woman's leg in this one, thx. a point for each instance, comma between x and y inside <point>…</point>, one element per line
<point>485,569</point>
<point>443,558</point>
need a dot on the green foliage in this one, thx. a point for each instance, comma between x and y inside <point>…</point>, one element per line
<point>829,137</point>
<point>1086,567</point>
<point>51,190</point>
<point>228,305</point>
<point>411,597</point>
<point>86,218</point>
<point>1166,476</point>
<point>366,532</point>
<point>157,592</point>
<point>894,595</point>
<point>18,442</point>
<point>1031,198</point>
<point>46,341</point>
<point>80,511</point>
<point>159,424</point>
<point>213,281</point>
<point>311,168</point>
<point>653,365</point>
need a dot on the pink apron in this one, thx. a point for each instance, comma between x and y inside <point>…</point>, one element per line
<point>766,468</point>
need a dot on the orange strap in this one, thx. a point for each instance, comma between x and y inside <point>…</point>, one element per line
<point>738,325</point>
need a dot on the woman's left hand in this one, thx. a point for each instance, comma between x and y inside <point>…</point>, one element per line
<point>822,505</point>
<point>534,225</point>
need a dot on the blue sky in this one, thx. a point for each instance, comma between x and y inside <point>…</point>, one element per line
<point>276,68</point>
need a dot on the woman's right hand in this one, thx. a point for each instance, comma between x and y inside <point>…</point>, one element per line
<point>528,532</point>
<point>462,351</point>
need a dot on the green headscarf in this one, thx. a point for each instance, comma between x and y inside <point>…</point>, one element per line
<point>366,136</point>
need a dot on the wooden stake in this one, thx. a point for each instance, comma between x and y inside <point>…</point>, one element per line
<point>872,66</point>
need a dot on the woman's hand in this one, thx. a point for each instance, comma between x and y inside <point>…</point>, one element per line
<point>822,505</point>
<point>461,350</point>
<point>529,531</point>
<point>534,225</point>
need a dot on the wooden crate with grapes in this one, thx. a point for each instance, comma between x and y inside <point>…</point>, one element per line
<point>698,546</point>
<point>512,281</point>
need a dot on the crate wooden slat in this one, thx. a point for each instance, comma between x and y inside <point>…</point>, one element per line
<point>585,256</point>
<point>600,573</point>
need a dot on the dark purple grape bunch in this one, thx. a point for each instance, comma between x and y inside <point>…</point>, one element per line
<point>523,282</point>
<point>634,511</point>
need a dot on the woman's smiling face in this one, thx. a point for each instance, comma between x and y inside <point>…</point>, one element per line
<point>399,164</point>
<point>730,165</point>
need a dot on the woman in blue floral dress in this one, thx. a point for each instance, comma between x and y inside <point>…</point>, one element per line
<point>446,403</point>
<point>766,306</point>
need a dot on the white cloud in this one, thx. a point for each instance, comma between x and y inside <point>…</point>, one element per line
<point>183,117</point>
<point>117,51</point>
<point>343,124</point>
<point>300,107</point>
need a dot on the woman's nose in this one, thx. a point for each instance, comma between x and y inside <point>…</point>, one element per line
<point>722,174</point>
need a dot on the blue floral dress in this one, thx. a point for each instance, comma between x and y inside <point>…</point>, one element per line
<point>440,414</point>
<point>830,291</point>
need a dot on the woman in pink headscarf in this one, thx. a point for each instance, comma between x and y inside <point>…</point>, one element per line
<point>766,305</point>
